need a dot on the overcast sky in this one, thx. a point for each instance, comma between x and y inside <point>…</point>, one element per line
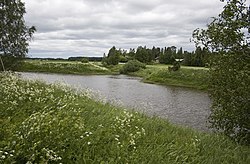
<point>91,27</point>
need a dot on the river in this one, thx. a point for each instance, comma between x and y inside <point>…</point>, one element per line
<point>180,106</point>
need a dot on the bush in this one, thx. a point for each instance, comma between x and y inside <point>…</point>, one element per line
<point>230,88</point>
<point>10,63</point>
<point>132,66</point>
<point>85,60</point>
<point>176,66</point>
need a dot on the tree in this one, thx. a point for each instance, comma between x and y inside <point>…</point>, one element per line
<point>198,57</point>
<point>141,54</point>
<point>14,34</point>
<point>187,58</point>
<point>156,53</point>
<point>179,54</point>
<point>113,56</point>
<point>228,37</point>
<point>170,53</point>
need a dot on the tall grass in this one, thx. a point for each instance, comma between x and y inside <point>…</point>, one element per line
<point>43,123</point>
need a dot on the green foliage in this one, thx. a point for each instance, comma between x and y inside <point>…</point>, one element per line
<point>230,78</point>
<point>53,124</point>
<point>10,62</point>
<point>144,54</point>
<point>228,36</point>
<point>132,66</point>
<point>200,57</point>
<point>176,66</point>
<point>85,60</point>
<point>113,57</point>
<point>167,55</point>
<point>14,34</point>
<point>123,59</point>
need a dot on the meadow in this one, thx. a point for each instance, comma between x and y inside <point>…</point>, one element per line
<point>43,123</point>
<point>63,67</point>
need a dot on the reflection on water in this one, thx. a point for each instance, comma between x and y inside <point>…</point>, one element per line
<point>179,105</point>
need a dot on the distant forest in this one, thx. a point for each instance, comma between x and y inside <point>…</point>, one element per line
<point>167,55</point>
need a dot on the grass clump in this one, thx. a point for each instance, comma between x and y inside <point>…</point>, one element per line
<point>43,123</point>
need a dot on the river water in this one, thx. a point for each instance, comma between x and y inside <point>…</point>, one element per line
<point>180,106</point>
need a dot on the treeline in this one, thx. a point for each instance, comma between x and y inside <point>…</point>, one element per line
<point>166,55</point>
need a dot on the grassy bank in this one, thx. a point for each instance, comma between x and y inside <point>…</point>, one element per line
<point>191,77</point>
<point>54,124</point>
<point>64,67</point>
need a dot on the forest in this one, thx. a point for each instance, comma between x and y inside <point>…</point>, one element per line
<point>167,55</point>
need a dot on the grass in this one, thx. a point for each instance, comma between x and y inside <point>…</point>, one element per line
<point>64,67</point>
<point>191,77</point>
<point>43,123</point>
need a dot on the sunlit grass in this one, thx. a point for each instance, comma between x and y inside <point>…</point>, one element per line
<point>54,124</point>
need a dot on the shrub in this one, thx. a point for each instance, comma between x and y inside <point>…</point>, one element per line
<point>176,66</point>
<point>229,83</point>
<point>85,60</point>
<point>10,63</point>
<point>132,66</point>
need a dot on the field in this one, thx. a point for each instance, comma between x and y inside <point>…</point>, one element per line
<point>43,123</point>
<point>64,67</point>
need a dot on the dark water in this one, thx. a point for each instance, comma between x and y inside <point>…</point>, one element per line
<point>180,105</point>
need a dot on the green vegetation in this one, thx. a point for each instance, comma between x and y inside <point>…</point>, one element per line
<point>65,67</point>
<point>191,77</point>
<point>229,78</point>
<point>113,57</point>
<point>53,124</point>
<point>15,34</point>
<point>85,60</point>
<point>132,66</point>
<point>168,55</point>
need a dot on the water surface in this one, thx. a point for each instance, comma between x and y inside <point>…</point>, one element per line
<point>181,106</point>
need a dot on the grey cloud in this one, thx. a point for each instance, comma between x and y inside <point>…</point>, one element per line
<point>91,27</point>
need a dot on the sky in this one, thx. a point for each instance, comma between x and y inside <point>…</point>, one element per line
<point>91,27</point>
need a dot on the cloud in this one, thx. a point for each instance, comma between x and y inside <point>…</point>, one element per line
<point>90,27</point>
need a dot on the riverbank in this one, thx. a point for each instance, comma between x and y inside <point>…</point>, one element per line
<point>191,77</point>
<point>52,123</point>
